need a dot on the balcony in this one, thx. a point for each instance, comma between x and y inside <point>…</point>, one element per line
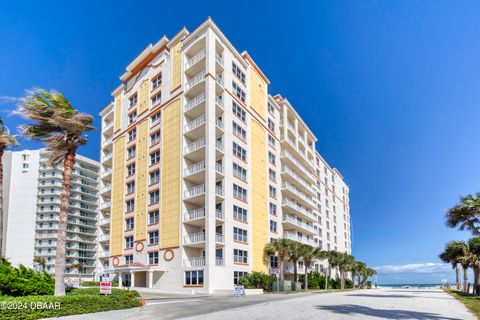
<point>104,222</point>
<point>195,240</point>
<point>106,189</point>
<point>219,238</point>
<point>219,148</point>
<point>195,195</point>
<point>296,237</point>
<point>106,173</point>
<point>291,176</point>
<point>302,153</point>
<point>219,215</point>
<point>304,172</point>
<point>105,206</point>
<point>192,87</point>
<point>195,59</point>
<point>192,107</point>
<point>194,262</point>
<point>107,159</point>
<point>195,150</point>
<point>219,102</point>
<point>293,192</point>
<point>291,222</point>
<point>104,238</point>
<point>104,254</point>
<point>219,59</point>
<point>219,170</point>
<point>195,129</point>
<point>290,206</point>
<point>194,217</point>
<point>219,262</point>
<point>219,191</point>
<point>195,172</point>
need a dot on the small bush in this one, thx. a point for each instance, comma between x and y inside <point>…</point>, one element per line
<point>316,280</point>
<point>23,281</point>
<point>257,280</point>
<point>79,301</point>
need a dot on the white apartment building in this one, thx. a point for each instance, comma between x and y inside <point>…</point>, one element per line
<point>201,167</point>
<point>31,206</point>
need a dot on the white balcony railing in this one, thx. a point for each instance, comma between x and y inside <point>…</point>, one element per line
<point>195,238</point>
<point>195,123</point>
<point>219,238</point>
<point>218,167</point>
<point>219,123</point>
<point>289,156</point>
<point>219,191</point>
<point>299,223</point>
<point>104,221</point>
<point>194,102</point>
<point>219,102</point>
<point>194,262</point>
<point>219,145</point>
<point>297,177</point>
<point>219,214</point>
<point>299,208</point>
<point>199,56</point>
<point>194,214</point>
<point>194,168</point>
<point>191,147</point>
<point>219,262</point>
<point>219,79</point>
<point>195,191</point>
<point>192,82</point>
<point>294,236</point>
<point>298,193</point>
<point>219,58</point>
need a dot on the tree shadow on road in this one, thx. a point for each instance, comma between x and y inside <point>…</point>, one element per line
<point>352,310</point>
<point>380,295</point>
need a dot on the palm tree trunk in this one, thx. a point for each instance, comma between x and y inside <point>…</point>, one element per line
<point>2,150</point>
<point>342,279</point>
<point>280,264</point>
<point>465,279</point>
<point>458,276</point>
<point>306,278</point>
<point>294,271</point>
<point>62,223</point>
<point>353,278</point>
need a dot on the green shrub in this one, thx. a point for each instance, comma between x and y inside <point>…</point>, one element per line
<point>316,280</point>
<point>257,280</point>
<point>23,281</point>
<point>77,302</point>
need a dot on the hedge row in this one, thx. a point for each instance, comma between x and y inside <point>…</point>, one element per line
<point>78,301</point>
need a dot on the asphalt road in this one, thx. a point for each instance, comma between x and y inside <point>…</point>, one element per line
<point>364,304</point>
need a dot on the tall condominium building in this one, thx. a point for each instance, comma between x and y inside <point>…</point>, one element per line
<point>202,167</point>
<point>31,206</point>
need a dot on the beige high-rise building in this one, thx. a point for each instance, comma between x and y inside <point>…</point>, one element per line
<point>201,167</point>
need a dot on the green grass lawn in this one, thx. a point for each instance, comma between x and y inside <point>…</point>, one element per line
<point>470,301</point>
<point>77,301</point>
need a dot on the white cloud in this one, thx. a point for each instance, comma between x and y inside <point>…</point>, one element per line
<point>421,268</point>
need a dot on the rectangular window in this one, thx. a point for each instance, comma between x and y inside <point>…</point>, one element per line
<point>154,197</point>
<point>132,117</point>
<point>129,242</point>
<point>131,187</point>
<point>271,158</point>
<point>239,152</point>
<point>273,226</point>
<point>130,205</point>
<point>129,223</point>
<point>237,276</point>
<point>273,209</point>
<point>272,175</point>
<point>194,277</point>
<point>273,262</point>
<point>239,192</point>
<point>133,100</point>
<point>153,257</point>
<point>240,234</point>
<point>155,157</point>
<point>239,172</point>
<point>239,213</point>
<point>271,109</point>
<point>273,192</point>
<point>271,125</point>
<point>239,112</point>
<point>155,138</point>
<point>156,82</point>
<point>153,237</point>
<point>130,170</point>
<point>156,118</point>
<point>239,131</point>
<point>238,92</point>
<point>131,152</point>
<point>240,256</point>
<point>153,217</point>
<point>128,259</point>
<point>238,72</point>
<point>271,141</point>
<point>157,98</point>
<point>132,134</point>
<point>154,176</point>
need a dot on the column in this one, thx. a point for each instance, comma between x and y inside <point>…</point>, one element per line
<point>132,279</point>
<point>150,279</point>
<point>120,274</point>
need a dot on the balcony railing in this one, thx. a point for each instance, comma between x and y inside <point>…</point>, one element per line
<point>195,191</point>
<point>104,237</point>
<point>219,123</point>
<point>219,102</point>
<point>105,205</point>
<point>193,60</point>
<point>298,193</point>
<point>289,156</point>
<point>219,262</point>
<point>219,238</point>
<point>192,82</point>
<point>219,167</point>
<point>104,221</point>
<point>195,238</point>
<point>219,79</point>
<point>299,208</point>
<point>194,102</point>
<point>219,145</point>
<point>219,214</point>
<point>219,191</point>
<point>194,214</point>
<point>200,143</point>
<point>219,59</point>
<point>297,177</point>
<point>194,168</point>
<point>195,262</point>
<point>294,236</point>
<point>298,223</point>
<point>195,123</point>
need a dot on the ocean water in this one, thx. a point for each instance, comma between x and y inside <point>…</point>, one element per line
<point>412,285</point>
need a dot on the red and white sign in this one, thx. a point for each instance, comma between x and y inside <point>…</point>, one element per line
<point>105,288</point>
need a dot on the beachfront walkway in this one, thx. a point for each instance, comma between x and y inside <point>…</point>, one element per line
<point>377,304</point>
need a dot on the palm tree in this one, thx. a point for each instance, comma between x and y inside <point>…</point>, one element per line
<point>356,270</point>
<point>466,214</point>
<point>6,140</point>
<point>366,273</point>
<point>61,127</point>
<point>40,261</point>
<point>474,247</point>
<point>451,254</point>
<point>294,254</point>
<point>345,263</point>
<point>78,266</point>
<point>309,254</point>
<point>279,248</point>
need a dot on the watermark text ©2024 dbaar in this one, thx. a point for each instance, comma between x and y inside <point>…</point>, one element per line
<point>12,305</point>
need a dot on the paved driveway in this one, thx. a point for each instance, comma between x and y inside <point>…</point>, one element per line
<point>364,304</point>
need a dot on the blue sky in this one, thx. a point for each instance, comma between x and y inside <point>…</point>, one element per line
<point>390,88</point>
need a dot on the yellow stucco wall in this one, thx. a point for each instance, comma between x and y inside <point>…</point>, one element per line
<point>117,113</point>
<point>118,197</point>
<point>141,181</point>
<point>176,54</point>
<point>258,93</point>
<point>143,96</point>
<point>170,176</point>
<point>259,195</point>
